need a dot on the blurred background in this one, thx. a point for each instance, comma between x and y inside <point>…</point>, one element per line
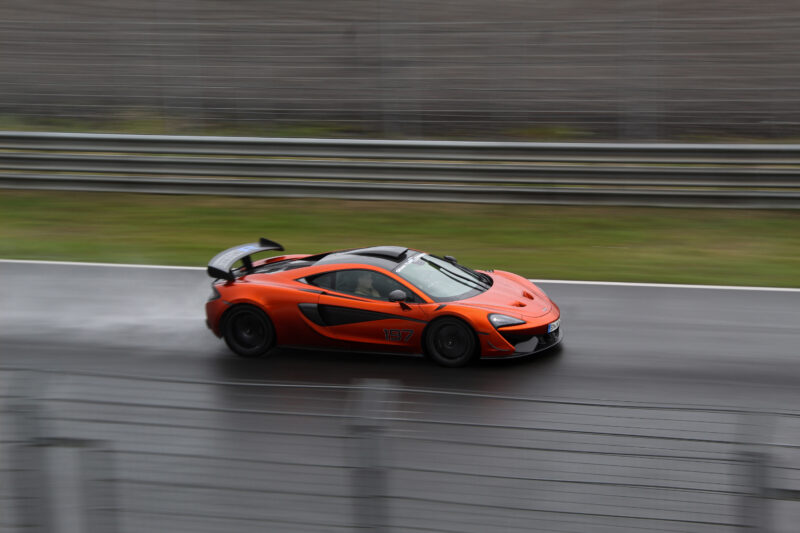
<point>618,70</point>
<point>577,143</point>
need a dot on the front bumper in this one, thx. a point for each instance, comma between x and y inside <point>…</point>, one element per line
<point>537,343</point>
<point>530,344</point>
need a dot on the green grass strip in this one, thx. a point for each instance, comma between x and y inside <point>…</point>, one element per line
<point>703,246</point>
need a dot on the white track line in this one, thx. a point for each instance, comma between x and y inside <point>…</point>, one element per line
<point>666,285</point>
<point>551,281</point>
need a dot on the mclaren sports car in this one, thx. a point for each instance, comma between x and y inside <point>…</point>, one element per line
<point>378,299</point>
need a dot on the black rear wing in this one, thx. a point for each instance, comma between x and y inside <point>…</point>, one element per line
<point>221,265</point>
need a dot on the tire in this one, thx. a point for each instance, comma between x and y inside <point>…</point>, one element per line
<point>248,331</point>
<point>451,342</point>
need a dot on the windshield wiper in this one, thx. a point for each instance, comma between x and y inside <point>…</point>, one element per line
<point>470,282</point>
<point>485,278</point>
<point>480,275</point>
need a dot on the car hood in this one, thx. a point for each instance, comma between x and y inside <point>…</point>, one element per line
<point>512,295</point>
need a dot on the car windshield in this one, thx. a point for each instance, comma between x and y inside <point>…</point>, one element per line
<point>442,280</point>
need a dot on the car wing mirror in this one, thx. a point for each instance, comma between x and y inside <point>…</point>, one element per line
<point>450,259</point>
<point>397,295</point>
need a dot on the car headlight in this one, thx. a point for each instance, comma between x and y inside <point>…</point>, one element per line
<point>499,321</point>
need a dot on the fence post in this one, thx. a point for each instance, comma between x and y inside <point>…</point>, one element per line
<point>28,458</point>
<point>62,484</point>
<point>369,481</point>
<point>755,513</point>
<point>755,429</point>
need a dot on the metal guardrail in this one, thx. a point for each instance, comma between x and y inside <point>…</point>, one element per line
<point>718,175</point>
<point>185,455</point>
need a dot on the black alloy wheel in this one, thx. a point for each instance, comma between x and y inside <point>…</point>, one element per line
<point>450,342</point>
<point>248,331</point>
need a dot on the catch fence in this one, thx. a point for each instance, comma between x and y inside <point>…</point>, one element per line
<point>86,452</point>
<point>573,70</point>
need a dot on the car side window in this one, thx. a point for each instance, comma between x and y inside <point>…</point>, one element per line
<point>324,281</point>
<point>365,283</point>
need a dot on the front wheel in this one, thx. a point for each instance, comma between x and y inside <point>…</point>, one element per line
<point>451,342</point>
<point>248,331</point>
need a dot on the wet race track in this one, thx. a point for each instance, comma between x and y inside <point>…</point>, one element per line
<point>647,344</point>
<point>625,345</point>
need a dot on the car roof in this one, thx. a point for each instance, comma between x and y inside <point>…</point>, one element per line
<point>386,257</point>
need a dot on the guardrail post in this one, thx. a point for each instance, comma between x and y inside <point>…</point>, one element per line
<point>370,492</point>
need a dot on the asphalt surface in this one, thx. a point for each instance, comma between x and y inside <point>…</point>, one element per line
<point>586,439</point>
<point>633,343</point>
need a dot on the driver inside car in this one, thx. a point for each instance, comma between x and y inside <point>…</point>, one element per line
<point>364,286</point>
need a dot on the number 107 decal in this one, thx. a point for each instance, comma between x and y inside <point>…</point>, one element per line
<point>398,335</point>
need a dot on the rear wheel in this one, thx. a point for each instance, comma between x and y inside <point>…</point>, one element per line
<point>451,342</point>
<point>248,331</point>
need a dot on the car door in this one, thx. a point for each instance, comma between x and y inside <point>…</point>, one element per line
<point>349,313</point>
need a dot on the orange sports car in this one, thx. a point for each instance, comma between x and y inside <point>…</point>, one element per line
<point>378,299</point>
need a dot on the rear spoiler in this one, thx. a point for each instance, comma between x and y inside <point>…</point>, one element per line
<point>221,265</point>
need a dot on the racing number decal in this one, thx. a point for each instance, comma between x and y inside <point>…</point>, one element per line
<point>398,335</point>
